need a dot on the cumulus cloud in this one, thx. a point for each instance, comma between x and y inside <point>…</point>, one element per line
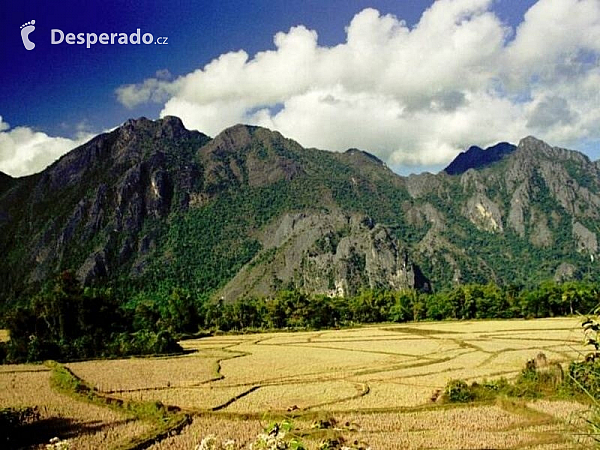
<point>24,151</point>
<point>412,95</point>
<point>154,90</point>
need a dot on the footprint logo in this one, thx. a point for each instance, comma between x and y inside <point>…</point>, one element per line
<point>26,30</point>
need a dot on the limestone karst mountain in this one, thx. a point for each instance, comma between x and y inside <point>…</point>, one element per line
<point>152,206</point>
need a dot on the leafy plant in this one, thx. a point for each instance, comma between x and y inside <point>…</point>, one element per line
<point>457,391</point>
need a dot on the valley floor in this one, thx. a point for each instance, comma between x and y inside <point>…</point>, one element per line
<point>379,383</point>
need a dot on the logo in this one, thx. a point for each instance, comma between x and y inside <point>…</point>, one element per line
<point>89,39</point>
<point>26,30</point>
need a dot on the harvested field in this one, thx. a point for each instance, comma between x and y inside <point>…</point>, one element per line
<point>17,368</point>
<point>403,347</point>
<point>395,369</point>
<point>385,395</point>
<point>300,395</point>
<point>277,363</point>
<point>196,398</point>
<point>569,411</point>
<point>242,430</point>
<point>465,428</point>
<point>86,426</point>
<point>148,373</point>
<point>382,380</point>
<point>4,337</point>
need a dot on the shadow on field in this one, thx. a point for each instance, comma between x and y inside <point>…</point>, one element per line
<point>41,431</point>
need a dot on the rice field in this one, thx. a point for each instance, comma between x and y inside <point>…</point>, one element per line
<point>86,426</point>
<point>148,373</point>
<point>381,378</point>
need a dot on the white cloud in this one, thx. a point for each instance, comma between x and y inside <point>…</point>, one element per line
<point>24,151</point>
<point>410,95</point>
<point>553,33</point>
<point>154,90</point>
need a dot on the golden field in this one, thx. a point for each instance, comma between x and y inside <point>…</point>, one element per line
<point>378,378</point>
<point>86,426</point>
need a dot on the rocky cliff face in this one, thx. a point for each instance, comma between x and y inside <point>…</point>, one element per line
<point>152,206</point>
<point>537,199</point>
<point>538,187</point>
<point>327,253</point>
<point>87,211</point>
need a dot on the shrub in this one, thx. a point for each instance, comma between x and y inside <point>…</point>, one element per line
<point>458,391</point>
<point>537,378</point>
<point>584,376</point>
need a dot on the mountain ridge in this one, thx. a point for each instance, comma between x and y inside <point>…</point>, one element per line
<point>477,158</point>
<point>151,206</point>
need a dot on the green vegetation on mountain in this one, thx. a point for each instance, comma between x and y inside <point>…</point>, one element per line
<point>152,208</point>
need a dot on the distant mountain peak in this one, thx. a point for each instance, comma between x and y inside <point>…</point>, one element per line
<point>531,144</point>
<point>235,139</point>
<point>532,140</point>
<point>166,127</point>
<point>533,148</point>
<point>241,126</point>
<point>240,138</point>
<point>477,158</point>
<point>171,121</point>
<point>364,154</point>
<point>131,122</point>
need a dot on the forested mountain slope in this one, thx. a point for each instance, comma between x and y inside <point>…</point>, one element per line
<point>152,206</point>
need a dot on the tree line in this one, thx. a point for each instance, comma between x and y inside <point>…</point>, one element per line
<point>295,309</point>
<point>67,321</point>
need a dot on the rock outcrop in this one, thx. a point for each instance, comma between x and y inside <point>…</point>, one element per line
<point>331,254</point>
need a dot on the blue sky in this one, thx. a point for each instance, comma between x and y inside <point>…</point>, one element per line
<point>55,95</point>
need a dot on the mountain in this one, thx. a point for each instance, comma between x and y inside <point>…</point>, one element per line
<point>477,158</point>
<point>531,215</point>
<point>90,210</point>
<point>5,181</point>
<point>151,206</point>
